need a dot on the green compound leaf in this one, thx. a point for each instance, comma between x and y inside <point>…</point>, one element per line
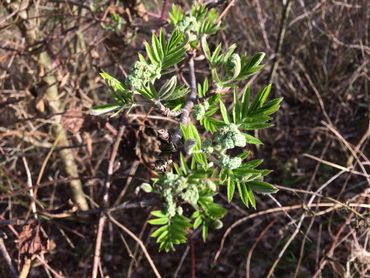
<point>245,102</point>
<point>224,113</point>
<point>164,54</point>
<point>176,15</point>
<point>149,91</point>
<point>119,92</point>
<point>184,165</point>
<point>251,65</point>
<point>105,108</point>
<point>167,89</point>
<point>250,195</point>
<point>243,193</point>
<point>259,100</point>
<point>230,189</point>
<point>262,187</point>
<point>189,185</point>
<point>112,82</point>
<point>174,51</point>
<point>172,232</point>
<point>236,108</point>
<point>252,140</point>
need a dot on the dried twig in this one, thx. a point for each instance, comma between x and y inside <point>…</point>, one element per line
<point>258,239</point>
<point>31,33</point>
<point>103,218</point>
<point>281,36</point>
<point>138,240</point>
<point>7,258</point>
<point>29,183</point>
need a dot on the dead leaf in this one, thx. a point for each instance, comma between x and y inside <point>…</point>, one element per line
<point>73,120</point>
<point>32,240</point>
<point>94,54</point>
<point>40,105</point>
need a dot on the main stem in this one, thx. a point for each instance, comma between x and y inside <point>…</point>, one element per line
<point>192,97</point>
<point>30,30</point>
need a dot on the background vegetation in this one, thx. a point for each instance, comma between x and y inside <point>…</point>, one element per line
<point>52,148</point>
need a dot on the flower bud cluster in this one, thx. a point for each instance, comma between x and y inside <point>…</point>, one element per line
<point>187,23</point>
<point>207,146</point>
<point>200,110</point>
<point>191,195</point>
<point>230,137</point>
<point>230,162</point>
<point>174,186</point>
<point>189,26</point>
<point>142,73</point>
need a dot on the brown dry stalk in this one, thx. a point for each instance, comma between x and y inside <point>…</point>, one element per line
<point>280,40</point>
<point>31,33</point>
<point>26,268</point>
<point>7,258</point>
<point>103,218</point>
<point>139,241</point>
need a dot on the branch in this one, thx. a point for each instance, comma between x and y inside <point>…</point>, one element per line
<point>185,116</point>
<point>103,218</point>
<point>30,31</point>
<point>280,40</point>
<point>7,259</point>
<point>139,241</point>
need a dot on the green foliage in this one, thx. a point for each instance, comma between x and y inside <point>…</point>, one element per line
<point>172,230</point>
<point>208,214</point>
<point>230,67</point>
<point>169,91</point>
<point>164,54</point>
<point>115,24</point>
<point>119,92</point>
<point>199,22</point>
<point>212,156</point>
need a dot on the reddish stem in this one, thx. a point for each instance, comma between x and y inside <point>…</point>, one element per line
<point>193,272</point>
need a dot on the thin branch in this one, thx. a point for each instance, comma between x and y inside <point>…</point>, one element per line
<point>186,111</point>
<point>7,258</point>
<point>258,239</point>
<point>111,165</point>
<point>226,10</point>
<point>103,218</point>
<point>335,205</point>
<point>138,240</point>
<point>29,183</point>
<point>280,40</point>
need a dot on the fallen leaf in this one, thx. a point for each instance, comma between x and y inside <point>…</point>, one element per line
<point>72,120</point>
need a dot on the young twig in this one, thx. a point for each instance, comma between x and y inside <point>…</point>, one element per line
<point>163,10</point>
<point>193,264</point>
<point>138,254</point>
<point>186,111</point>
